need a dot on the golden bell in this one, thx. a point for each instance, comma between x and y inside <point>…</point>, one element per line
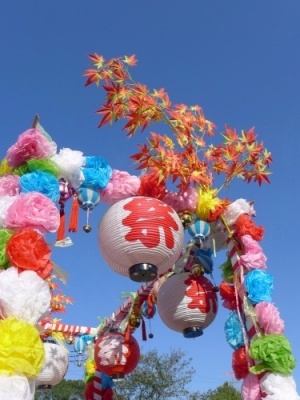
<point>134,321</point>
<point>87,228</point>
<point>197,270</point>
<point>69,338</point>
<point>186,218</point>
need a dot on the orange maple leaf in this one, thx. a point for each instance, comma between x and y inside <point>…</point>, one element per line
<point>131,60</point>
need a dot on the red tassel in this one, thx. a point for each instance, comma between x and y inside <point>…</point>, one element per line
<point>144,334</point>
<point>150,306</point>
<point>62,221</point>
<point>74,217</point>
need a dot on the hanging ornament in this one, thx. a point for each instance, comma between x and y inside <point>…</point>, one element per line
<point>141,237</point>
<point>199,230</point>
<point>55,365</point>
<point>186,218</point>
<point>116,355</point>
<point>187,303</point>
<point>87,198</point>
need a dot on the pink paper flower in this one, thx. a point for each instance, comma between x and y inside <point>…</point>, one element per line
<point>251,388</point>
<point>253,257</point>
<point>268,318</point>
<point>30,144</point>
<point>32,210</point>
<point>182,201</point>
<point>9,185</point>
<point>121,186</point>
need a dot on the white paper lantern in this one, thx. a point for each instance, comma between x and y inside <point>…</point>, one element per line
<point>55,366</point>
<point>187,303</point>
<point>141,237</point>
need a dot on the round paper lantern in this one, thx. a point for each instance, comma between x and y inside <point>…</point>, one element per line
<point>115,355</point>
<point>199,230</point>
<point>55,365</point>
<point>140,237</point>
<point>187,304</point>
<point>87,198</point>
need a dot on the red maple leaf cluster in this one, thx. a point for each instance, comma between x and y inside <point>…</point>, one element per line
<point>184,157</point>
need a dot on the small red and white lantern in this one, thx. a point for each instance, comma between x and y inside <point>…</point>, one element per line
<point>55,366</point>
<point>141,237</point>
<point>187,303</point>
<point>116,355</point>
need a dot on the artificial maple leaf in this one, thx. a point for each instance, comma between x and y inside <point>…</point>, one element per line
<point>249,136</point>
<point>93,75</point>
<point>131,60</point>
<point>267,157</point>
<point>97,60</point>
<point>230,135</point>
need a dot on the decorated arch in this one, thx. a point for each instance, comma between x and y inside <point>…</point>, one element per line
<point>162,228</point>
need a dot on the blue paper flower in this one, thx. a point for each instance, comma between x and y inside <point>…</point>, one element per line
<point>259,285</point>
<point>42,182</point>
<point>107,382</point>
<point>233,331</point>
<point>96,172</point>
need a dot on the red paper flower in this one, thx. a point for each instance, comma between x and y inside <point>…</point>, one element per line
<point>27,250</point>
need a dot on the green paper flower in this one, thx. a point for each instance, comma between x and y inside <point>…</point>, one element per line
<point>273,353</point>
<point>5,235</point>
<point>227,271</point>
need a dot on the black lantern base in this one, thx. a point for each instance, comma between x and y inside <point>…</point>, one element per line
<point>44,387</point>
<point>117,377</point>
<point>143,272</point>
<point>193,332</point>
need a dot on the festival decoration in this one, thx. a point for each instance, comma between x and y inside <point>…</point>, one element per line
<point>55,365</point>
<point>140,237</point>
<point>116,355</point>
<point>187,304</point>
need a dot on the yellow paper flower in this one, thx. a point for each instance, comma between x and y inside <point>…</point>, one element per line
<point>207,203</point>
<point>5,168</point>
<point>21,348</point>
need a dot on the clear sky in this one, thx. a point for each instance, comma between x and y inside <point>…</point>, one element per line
<point>239,60</point>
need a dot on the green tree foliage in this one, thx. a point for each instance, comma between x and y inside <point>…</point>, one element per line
<point>224,392</point>
<point>157,377</point>
<point>65,390</point>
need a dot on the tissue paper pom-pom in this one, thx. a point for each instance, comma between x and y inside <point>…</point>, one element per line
<point>43,164</point>
<point>5,203</point>
<point>16,387</point>
<point>268,318</point>
<point>279,387</point>
<point>5,235</point>
<point>273,353</point>
<point>9,185</point>
<point>240,363</point>
<point>32,210</point>
<point>227,271</point>
<point>24,296</point>
<point>5,168</point>
<point>253,256</point>
<point>233,331</point>
<point>69,163</point>
<point>182,201</point>
<point>21,348</point>
<point>21,170</point>
<point>235,209</point>
<point>151,186</point>
<point>245,226</point>
<point>259,285</point>
<point>27,250</point>
<point>121,186</point>
<point>30,144</point>
<point>251,388</point>
<point>207,203</point>
<point>227,293</point>
<point>96,172</point>
<point>41,182</point>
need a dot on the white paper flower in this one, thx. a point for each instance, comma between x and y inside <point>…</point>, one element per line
<point>25,296</point>
<point>16,387</point>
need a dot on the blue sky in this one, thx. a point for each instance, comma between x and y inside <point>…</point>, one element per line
<point>239,60</point>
